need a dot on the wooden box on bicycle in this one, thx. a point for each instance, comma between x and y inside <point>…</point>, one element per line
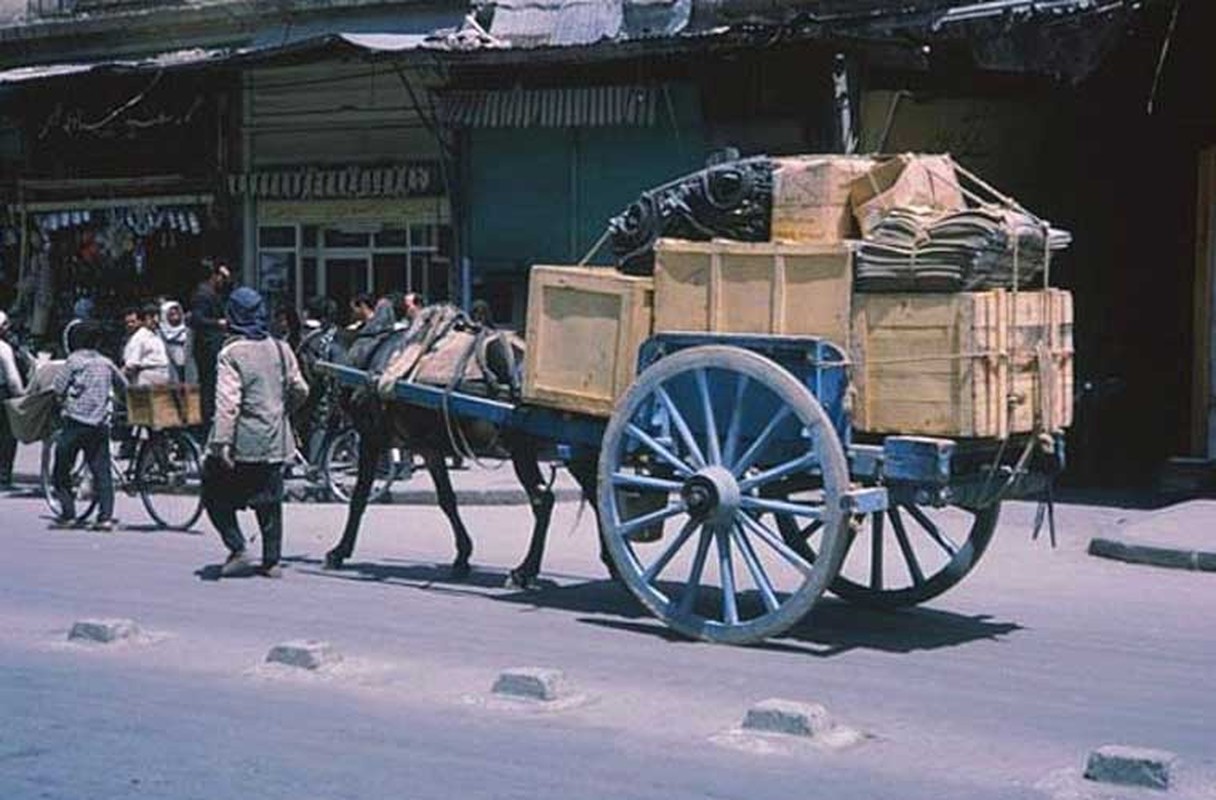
<point>166,405</point>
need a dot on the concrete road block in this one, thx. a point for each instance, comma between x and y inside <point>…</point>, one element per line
<point>103,631</point>
<point>533,683</point>
<point>788,717</point>
<point>304,653</point>
<point>1131,766</point>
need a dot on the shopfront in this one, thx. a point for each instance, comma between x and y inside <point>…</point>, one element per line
<point>344,192</point>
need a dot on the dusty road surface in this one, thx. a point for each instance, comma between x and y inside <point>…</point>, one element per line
<point>997,689</point>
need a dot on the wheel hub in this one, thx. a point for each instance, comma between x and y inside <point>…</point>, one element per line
<point>712,495</point>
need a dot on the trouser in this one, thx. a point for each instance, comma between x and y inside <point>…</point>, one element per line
<point>206,359</point>
<point>270,522</point>
<point>8,450</point>
<point>94,440</point>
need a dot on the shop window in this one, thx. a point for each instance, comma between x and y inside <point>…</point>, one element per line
<point>392,237</point>
<point>343,239</point>
<point>277,277</point>
<point>308,270</point>
<point>277,236</point>
<point>308,235</point>
<point>391,273</point>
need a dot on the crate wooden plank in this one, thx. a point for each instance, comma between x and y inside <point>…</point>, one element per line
<point>169,405</point>
<point>753,287</point>
<point>585,325</point>
<point>974,364</point>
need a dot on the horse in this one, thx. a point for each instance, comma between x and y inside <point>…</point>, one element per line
<point>382,423</point>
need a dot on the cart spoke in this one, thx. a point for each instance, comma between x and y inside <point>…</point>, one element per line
<point>629,527</point>
<point>659,450</point>
<point>662,561</point>
<point>759,577</point>
<point>693,584</point>
<point>781,507</point>
<point>711,424</point>
<point>726,570</point>
<point>876,550</point>
<point>774,541</point>
<point>736,418</point>
<point>901,536</point>
<point>804,461</point>
<point>943,541</point>
<point>626,480</point>
<point>757,447</point>
<point>690,443</point>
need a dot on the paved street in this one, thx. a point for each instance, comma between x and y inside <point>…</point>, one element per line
<point>998,689</point>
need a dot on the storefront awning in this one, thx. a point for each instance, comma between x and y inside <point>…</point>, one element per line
<point>413,179</point>
<point>586,106</point>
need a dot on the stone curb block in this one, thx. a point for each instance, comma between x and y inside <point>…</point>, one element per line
<point>788,717</point>
<point>478,497</point>
<point>304,653</point>
<point>1170,558</point>
<point>103,631</point>
<point>1131,766</point>
<point>532,683</point>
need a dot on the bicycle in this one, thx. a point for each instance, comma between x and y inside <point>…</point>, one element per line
<point>165,471</point>
<point>334,477</point>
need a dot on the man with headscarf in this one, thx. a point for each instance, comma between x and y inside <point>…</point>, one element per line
<point>258,384</point>
<point>176,335</point>
<point>11,386</point>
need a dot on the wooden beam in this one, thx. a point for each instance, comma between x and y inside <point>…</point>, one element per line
<point>1205,260</point>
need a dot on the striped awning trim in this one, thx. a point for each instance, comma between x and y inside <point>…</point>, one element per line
<point>413,179</point>
<point>575,107</point>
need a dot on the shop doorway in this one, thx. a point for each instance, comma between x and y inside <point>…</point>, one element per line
<point>341,261</point>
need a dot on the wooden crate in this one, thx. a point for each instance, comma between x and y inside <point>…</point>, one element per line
<point>585,325</point>
<point>166,405</point>
<point>811,197</point>
<point>746,287</point>
<point>972,364</point>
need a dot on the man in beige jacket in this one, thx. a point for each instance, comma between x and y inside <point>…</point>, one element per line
<point>258,384</point>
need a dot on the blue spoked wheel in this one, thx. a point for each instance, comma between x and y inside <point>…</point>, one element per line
<point>687,473</point>
<point>904,555</point>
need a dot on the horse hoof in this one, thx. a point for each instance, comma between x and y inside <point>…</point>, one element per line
<point>333,561</point>
<point>517,579</point>
<point>460,571</point>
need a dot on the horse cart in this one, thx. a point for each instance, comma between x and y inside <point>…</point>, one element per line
<point>733,490</point>
<point>721,399</point>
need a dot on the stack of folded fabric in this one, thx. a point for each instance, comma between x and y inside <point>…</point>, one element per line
<point>927,250</point>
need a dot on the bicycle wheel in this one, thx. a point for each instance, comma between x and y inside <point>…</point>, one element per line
<point>168,476</point>
<point>340,464</point>
<point>82,482</point>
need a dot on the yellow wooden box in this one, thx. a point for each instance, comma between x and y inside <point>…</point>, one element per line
<point>585,325</point>
<point>166,405</point>
<point>753,287</point>
<point>971,364</point>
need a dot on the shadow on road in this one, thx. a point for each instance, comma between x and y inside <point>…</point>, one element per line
<point>833,628</point>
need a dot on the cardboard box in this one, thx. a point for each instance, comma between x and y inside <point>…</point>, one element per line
<point>167,405</point>
<point>906,180</point>
<point>749,287</point>
<point>811,198</point>
<point>585,325</point>
<point>971,364</point>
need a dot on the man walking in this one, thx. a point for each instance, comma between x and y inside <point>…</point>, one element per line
<point>258,384</point>
<point>209,326</point>
<point>83,388</point>
<point>11,386</point>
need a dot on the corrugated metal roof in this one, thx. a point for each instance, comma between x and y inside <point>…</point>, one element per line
<point>538,23</point>
<point>593,106</point>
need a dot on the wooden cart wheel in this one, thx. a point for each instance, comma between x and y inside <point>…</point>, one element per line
<point>686,460</point>
<point>903,556</point>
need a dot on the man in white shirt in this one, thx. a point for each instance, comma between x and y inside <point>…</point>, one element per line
<point>11,386</point>
<point>145,358</point>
